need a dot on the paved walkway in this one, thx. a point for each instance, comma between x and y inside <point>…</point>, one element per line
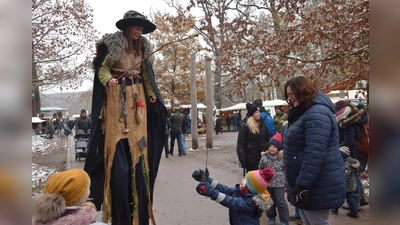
<point>175,199</point>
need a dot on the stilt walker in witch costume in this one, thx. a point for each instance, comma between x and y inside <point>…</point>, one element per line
<point>128,124</point>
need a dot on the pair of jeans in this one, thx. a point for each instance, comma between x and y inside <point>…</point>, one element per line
<point>278,197</point>
<point>351,201</point>
<point>358,186</point>
<point>177,134</point>
<point>310,217</point>
<point>297,212</point>
<point>235,127</point>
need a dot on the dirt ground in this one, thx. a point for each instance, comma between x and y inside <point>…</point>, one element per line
<point>175,199</point>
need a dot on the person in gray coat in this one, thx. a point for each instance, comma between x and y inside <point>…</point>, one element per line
<point>313,164</point>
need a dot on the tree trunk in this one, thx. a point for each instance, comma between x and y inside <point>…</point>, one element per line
<point>35,88</point>
<point>217,89</point>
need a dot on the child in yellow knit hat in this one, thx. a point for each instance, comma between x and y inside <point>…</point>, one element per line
<point>64,200</point>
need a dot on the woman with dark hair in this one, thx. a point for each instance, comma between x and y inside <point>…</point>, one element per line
<point>128,127</point>
<point>313,165</point>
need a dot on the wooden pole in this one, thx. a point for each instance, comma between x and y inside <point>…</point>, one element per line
<point>210,103</point>
<point>193,99</point>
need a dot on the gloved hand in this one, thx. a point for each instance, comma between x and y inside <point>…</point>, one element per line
<point>201,175</point>
<point>204,188</point>
<point>301,197</point>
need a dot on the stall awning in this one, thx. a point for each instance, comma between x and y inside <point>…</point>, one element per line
<point>199,106</point>
<point>37,120</point>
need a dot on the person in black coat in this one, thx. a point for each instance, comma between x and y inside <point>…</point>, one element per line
<point>228,121</point>
<point>218,125</point>
<point>252,139</point>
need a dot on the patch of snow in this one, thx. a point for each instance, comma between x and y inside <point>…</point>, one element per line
<point>40,174</point>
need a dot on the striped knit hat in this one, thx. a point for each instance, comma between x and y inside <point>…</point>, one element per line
<point>276,140</point>
<point>345,152</point>
<point>343,113</point>
<point>257,181</point>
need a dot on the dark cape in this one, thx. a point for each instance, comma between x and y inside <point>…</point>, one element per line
<point>157,117</point>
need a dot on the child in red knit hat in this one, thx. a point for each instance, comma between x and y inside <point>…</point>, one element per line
<point>246,201</point>
<point>272,158</point>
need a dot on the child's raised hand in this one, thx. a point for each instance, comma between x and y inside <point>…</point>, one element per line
<point>197,175</point>
<point>201,175</point>
<point>204,188</point>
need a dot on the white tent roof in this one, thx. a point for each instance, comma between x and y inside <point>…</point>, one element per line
<point>199,106</point>
<point>234,107</point>
<point>239,106</point>
<point>350,94</point>
<point>37,120</point>
<point>276,102</point>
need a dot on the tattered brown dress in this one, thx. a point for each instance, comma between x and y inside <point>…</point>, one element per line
<point>124,116</point>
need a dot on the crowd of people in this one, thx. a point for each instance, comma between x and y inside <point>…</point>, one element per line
<point>308,153</point>
<point>64,127</point>
<point>313,153</point>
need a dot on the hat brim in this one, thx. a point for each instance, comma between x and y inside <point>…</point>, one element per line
<point>148,26</point>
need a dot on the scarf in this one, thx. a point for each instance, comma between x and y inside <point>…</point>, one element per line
<point>295,113</point>
<point>273,157</point>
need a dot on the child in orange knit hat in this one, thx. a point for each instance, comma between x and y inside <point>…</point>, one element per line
<point>64,200</point>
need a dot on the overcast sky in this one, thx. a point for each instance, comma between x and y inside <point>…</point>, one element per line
<point>106,14</point>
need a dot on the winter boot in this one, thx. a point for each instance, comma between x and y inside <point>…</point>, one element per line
<point>346,206</point>
<point>271,221</point>
<point>357,199</point>
<point>336,211</point>
<point>293,217</point>
<point>353,213</point>
<point>299,222</point>
<point>364,199</point>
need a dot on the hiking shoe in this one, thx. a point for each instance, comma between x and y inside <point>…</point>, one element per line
<point>271,221</point>
<point>293,217</point>
<point>353,213</point>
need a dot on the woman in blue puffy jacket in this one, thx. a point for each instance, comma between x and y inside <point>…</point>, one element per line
<point>314,168</point>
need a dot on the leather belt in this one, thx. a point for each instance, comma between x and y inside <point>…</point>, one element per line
<point>128,80</point>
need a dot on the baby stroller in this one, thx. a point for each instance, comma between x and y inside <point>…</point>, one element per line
<point>81,142</point>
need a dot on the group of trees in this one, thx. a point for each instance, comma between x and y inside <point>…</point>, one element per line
<point>173,61</point>
<point>258,44</point>
<point>255,45</point>
<point>62,45</point>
